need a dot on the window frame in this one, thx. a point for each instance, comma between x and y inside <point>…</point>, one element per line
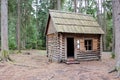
<point>87,45</point>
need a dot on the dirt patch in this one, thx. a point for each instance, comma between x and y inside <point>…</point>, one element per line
<point>36,67</point>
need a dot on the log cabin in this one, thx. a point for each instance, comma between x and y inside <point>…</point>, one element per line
<point>72,36</point>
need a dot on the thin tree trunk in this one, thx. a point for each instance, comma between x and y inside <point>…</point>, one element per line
<point>104,28</point>
<point>80,6</point>
<point>37,24</point>
<point>18,27</point>
<point>75,6</point>
<point>101,2</point>
<point>23,29</point>
<point>59,4</point>
<point>54,4</point>
<point>113,29</point>
<point>98,12</point>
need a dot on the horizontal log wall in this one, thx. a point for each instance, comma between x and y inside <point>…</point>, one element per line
<point>94,53</point>
<point>62,47</point>
<point>53,47</point>
<point>57,45</point>
<point>81,37</point>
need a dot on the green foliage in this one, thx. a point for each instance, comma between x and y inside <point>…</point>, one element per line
<point>12,23</point>
<point>67,6</point>
<point>113,55</point>
<point>33,22</point>
<point>12,32</point>
<point>11,52</point>
<point>108,7</point>
<point>109,35</point>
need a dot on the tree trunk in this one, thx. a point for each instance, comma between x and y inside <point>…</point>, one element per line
<point>117,26</point>
<point>4,30</point>
<point>24,24</point>
<point>18,27</point>
<point>80,5</point>
<point>75,6</point>
<point>113,38</point>
<point>37,23</point>
<point>116,18</point>
<point>104,26</point>
<point>59,4</point>
<point>98,12</point>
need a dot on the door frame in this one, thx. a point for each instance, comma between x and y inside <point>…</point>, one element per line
<point>66,56</point>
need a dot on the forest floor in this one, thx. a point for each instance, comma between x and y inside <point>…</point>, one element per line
<point>35,66</point>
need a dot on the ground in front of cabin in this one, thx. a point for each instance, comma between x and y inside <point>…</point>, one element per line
<point>35,66</point>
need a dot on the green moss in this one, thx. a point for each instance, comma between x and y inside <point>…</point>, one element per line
<point>19,51</point>
<point>5,53</point>
<point>5,56</point>
<point>113,55</point>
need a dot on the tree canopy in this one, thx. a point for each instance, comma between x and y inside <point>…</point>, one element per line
<point>34,14</point>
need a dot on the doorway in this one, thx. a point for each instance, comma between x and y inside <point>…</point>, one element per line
<point>70,47</point>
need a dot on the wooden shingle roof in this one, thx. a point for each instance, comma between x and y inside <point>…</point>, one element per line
<point>74,23</point>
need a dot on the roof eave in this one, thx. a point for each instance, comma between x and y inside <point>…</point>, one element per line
<point>81,33</point>
<point>46,29</point>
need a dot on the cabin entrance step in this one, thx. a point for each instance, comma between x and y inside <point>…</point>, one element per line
<point>72,61</point>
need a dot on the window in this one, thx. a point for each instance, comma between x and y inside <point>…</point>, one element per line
<point>78,44</point>
<point>88,44</point>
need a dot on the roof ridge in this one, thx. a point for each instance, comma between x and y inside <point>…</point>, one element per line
<point>60,11</point>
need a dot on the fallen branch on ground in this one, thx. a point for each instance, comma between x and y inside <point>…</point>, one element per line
<point>23,65</point>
